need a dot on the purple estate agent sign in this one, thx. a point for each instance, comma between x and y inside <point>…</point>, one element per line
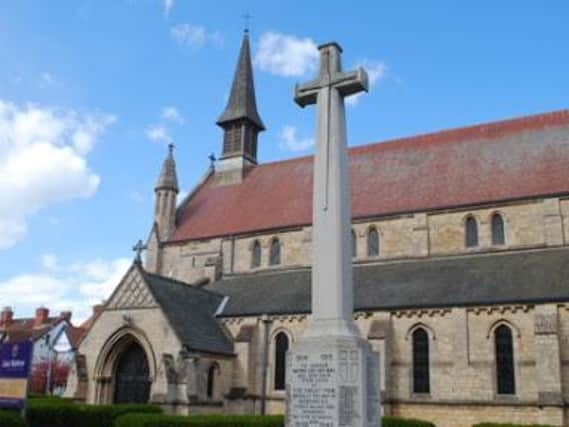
<point>15,361</point>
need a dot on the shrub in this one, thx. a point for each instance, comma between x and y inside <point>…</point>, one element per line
<point>404,422</point>
<point>510,425</point>
<point>62,413</point>
<point>11,419</point>
<point>140,420</point>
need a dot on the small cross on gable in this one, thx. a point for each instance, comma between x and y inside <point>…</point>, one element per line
<point>139,248</point>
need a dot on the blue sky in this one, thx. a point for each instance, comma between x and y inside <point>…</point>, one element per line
<point>91,91</point>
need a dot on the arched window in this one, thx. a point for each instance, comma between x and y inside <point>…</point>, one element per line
<point>281,347</point>
<point>211,380</point>
<point>275,255</point>
<point>256,255</point>
<point>498,237</point>
<point>372,242</point>
<point>505,380</point>
<point>421,379</point>
<point>471,232</point>
<point>354,245</point>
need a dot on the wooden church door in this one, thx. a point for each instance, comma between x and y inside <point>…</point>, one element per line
<point>132,381</point>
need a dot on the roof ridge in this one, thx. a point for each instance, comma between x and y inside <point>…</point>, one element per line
<point>550,117</point>
<point>555,117</point>
<point>182,283</point>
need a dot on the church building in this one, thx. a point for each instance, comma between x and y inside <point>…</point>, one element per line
<point>460,243</point>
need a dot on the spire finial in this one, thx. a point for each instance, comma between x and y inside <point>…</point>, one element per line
<point>247,20</point>
<point>212,160</point>
<point>171,148</point>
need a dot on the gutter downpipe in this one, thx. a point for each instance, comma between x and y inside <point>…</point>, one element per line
<point>266,321</point>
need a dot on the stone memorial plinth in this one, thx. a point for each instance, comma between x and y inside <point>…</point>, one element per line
<point>332,382</point>
<point>332,374</point>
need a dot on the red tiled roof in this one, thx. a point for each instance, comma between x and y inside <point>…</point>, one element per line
<point>516,158</point>
<point>75,335</point>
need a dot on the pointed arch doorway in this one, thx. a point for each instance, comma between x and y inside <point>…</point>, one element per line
<point>132,376</point>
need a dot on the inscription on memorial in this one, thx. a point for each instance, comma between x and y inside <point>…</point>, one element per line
<point>312,387</point>
<point>373,400</point>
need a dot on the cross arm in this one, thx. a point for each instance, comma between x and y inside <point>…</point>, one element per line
<point>351,82</point>
<point>306,94</point>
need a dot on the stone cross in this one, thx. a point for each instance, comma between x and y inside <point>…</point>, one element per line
<point>138,248</point>
<point>332,374</point>
<point>332,257</point>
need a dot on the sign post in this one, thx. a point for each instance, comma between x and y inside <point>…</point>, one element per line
<point>15,363</point>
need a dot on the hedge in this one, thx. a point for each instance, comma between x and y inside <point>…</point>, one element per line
<point>141,420</point>
<point>11,419</point>
<point>153,420</point>
<point>49,413</point>
<point>404,422</point>
<point>510,425</point>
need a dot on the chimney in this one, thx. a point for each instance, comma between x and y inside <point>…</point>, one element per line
<point>42,315</point>
<point>66,315</point>
<point>7,317</point>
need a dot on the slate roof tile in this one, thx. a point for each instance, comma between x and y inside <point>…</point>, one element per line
<point>476,279</point>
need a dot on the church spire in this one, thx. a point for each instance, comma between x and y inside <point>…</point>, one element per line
<point>240,121</point>
<point>168,179</point>
<point>242,104</point>
<point>166,191</point>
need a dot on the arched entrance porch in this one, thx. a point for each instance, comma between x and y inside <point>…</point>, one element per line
<point>132,376</point>
<point>125,368</point>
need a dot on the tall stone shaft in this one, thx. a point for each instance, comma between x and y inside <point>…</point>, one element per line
<point>332,373</point>
<point>332,294</point>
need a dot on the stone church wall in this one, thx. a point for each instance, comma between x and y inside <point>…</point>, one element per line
<point>527,224</point>
<point>462,361</point>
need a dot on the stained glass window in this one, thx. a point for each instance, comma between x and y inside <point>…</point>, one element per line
<point>498,237</point>
<point>421,380</point>
<point>281,347</point>
<point>373,242</point>
<point>275,255</point>
<point>471,230</point>
<point>506,383</point>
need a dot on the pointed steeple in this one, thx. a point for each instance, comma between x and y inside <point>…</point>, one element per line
<point>168,179</point>
<point>242,104</point>
<point>166,191</point>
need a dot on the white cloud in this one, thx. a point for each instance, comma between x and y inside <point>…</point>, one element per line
<point>158,133</point>
<point>286,55</point>
<point>42,162</point>
<point>172,114</point>
<point>77,287</point>
<point>168,5</point>
<point>49,261</point>
<point>195,36</point>
<point>376,71</point>
<point>290,140</point>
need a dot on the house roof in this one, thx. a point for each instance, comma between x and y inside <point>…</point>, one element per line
<point>481,279</point>
<point>23,329</point>
<point>511,159</point>
<point>191,313</point>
